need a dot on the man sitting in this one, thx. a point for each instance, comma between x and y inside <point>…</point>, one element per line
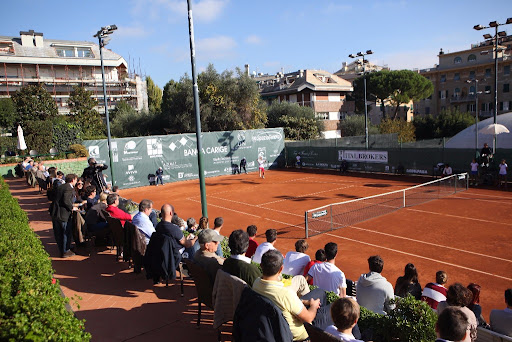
<point>209,240</point>
<point>501,320</point>
<point>326,275</point>
<point>270,286</point>
<point>253,244</point>
<point>434,293</point>
<point>319,258</point>
<point>141,219</point>
<point>294,262</point>
<point>451,325</point>
<point>238,264</point>
<point>165,227</point>
<point>345,314</point>
<point>271,235</point>
<point>114,211</point>
<point>373,290</point>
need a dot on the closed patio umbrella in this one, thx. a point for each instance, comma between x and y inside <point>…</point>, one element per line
<point>21,139</point>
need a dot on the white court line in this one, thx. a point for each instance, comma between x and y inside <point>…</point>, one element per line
<point>254,205</point>
<point>481,200</point>
<point>311,194</point>
<point>430,243</point>
<point>460,217</point>
<point>369,244</point>
<point>422,257</point>
<point>469,192</point>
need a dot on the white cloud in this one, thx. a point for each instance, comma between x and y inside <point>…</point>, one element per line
<point>254,39</point>
<point>219,47</point>
<point>135,31</point>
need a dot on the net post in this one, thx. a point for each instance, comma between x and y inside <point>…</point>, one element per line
<point>306,223</point>
<point>404,199</point>
<point>455,182</point>
<point>467,181</point>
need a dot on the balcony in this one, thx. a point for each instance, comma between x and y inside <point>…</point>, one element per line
<point>462,98</point>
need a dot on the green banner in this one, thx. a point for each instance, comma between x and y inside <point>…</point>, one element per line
<point>135,158</point>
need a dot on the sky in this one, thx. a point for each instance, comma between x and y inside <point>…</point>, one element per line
<point>270,36</point>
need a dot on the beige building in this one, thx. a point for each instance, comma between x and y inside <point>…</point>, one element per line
<point>61,64</point>
<point>455,75</point>
<point>324,92</point>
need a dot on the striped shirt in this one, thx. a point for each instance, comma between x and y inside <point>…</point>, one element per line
<point>433,293</point>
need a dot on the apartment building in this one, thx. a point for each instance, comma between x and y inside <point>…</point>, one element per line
<point>460,76</point>
<point>61,64</point>
<point>324,92</point>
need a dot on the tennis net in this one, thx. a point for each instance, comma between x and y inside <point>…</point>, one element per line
<point>339,215</point>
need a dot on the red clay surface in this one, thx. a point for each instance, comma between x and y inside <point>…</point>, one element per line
<point>468,235</point>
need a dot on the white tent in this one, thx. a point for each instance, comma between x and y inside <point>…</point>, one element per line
<point>466,138</point>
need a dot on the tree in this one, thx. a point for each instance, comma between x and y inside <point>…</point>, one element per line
<point>8,114</point>
<point>65,134</point>
<point>154,96</point>
<point>405,130</point>
<point>303,121</point>
<point>353,125</point>
<point>178,106</point>
<point>397,86</point>
<point>447,124</point>
<point>33,102</point>
<point>82,112</point>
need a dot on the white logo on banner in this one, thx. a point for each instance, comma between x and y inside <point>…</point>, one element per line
<point>129,147</point>
<point>131,178</point>
<point>180,174</point>
<point>364,156</point>
<point>115,153</point>
<point>265,136</point>
<point>183,141</point>
<point>130,167</point>
<point>154,147</point>
<point>172,146</point>
<point>94,151</point>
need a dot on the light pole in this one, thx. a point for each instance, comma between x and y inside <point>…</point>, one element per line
<point>362,54</point>
<point>476,110</point>
<point>103,39</point>
<point>497,34</point>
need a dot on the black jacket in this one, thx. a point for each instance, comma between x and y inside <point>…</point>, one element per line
<point>159,260</point>
<point>94,174</point>
<point>63,202</point>
<point>258,319</point>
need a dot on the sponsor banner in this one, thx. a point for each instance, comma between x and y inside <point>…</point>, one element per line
<point>417,171</point>
<point>319,214</point>
<point>135,158</point>
<point>363,156</point>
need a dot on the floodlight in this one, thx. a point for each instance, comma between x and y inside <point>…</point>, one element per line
<point>352,55</point>
<point>502,34</point>
<point>509,21</point>
<point>360,54</point>
<point>487,36</point>
<point>369,52</point>
<point>494,24</point>
<point>478,27</point>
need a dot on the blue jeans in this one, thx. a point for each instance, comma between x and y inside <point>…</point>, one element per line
<point>159,178</point>
<point>63,235</point>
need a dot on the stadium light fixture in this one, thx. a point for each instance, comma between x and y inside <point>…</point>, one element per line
<point>494,24</point>
<point>103,39</point>
<point>362,54</point>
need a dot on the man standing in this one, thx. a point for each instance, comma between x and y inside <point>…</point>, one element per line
<point>501,320</point>
<point>293,308</point>
<point>205,256</point>
<point>62,208</point>
<point>243,164</point>
<point>94,173</point>
<point>271,235</point>
<point>373,290</point>
<point>238,264</point>
<point>326,275</point>
<point>141,219</point>
<point>165,227</point>
<point>159,174</point>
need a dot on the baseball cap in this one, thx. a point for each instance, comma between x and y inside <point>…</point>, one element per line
<point>209,235</point>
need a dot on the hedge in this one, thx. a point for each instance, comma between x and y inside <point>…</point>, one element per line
<point>31,305</point>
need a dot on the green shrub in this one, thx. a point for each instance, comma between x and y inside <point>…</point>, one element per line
<point>65,134</point>
<point>226,251</point>
<point>78,150</point>
<point>31,307</point>
<point>38,136</point>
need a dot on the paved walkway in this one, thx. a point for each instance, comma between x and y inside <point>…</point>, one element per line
<point>117,304</point>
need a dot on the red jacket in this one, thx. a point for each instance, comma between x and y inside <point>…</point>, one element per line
<point>119,214</point>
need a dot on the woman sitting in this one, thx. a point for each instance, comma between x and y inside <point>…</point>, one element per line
<point>408,283</point>
<point>475,305</point>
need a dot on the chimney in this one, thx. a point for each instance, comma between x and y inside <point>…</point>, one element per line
<point>301,73</point>
<point>247,70</point>
<point>31,39</point>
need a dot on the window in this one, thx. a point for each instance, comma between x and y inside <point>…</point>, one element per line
<point>457,60</point>
<point>505,106</point>
<point>323,116</point>
<point>456,77</point>
<point>443,78</point>
<point>487,89</point>
<point>74,51</point>
<point>506,87</point>
<point>472,75</point>
<point>472,90</point>
<point>457,92</point>
<point>488,72</point>
<point>427,110</point>
<point>506,70</point>
<point>472,58</point>
<point>444,93</point>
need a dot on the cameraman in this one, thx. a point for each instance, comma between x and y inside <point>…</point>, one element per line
<point>94,174</point>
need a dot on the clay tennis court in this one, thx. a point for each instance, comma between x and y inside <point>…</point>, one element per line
<point>468,234</point>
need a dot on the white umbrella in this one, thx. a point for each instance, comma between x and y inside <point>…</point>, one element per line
<point>494,129</point>
<point>21,139</point>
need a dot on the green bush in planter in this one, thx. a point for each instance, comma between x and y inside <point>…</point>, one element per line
<point>31,307</point>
